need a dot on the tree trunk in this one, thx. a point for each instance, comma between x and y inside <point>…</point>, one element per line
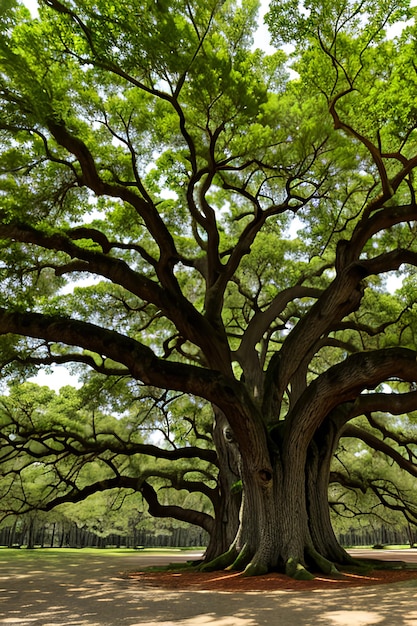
<point>12,535</point>
<point>284,521</point>
<point>53,535</point>
<point>230,490</point>
<point>319,457</point>
<point>31,534</point>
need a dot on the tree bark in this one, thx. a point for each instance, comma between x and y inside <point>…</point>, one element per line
<point>226,519</point>
<point>319,459</point>
<point>284,521</point>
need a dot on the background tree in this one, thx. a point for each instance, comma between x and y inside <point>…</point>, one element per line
<point>153,150</point>
<point>59,449</point>
<point>368,478</point>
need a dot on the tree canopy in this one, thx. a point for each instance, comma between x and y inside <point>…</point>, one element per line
<point>150,152</point>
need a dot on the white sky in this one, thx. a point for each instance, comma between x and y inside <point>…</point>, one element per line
<point>32,5</point>
<point>60,377</point>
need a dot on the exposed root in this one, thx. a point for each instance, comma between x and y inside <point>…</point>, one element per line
<point>232,560</point>
<point>324,565</point>
<point>241,560</point>
<point>248,564</point>
<point>223,561</point>
<point>255,569</point>
<point>294,569</point>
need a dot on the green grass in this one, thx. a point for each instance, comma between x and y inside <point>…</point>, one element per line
<point>64,553</point>
<point>385,547</point>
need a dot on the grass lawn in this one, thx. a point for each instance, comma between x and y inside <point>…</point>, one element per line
<point>12,554</point>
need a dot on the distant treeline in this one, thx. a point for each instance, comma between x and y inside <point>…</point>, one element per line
<point>33,534</point>
<point>383,536</point>
<point>68,535</point>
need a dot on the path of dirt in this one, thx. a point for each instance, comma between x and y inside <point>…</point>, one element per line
<point>94,591</point>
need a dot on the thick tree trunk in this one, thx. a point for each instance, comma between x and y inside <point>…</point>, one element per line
<point>319,459</point>
<point>284,521</point>
<point>226,520</point>
<point>256,541</point>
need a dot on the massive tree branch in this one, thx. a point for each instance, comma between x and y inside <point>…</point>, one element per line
<point>156,509</point>
<point>390,261</point>
<point>349,378</point>
<point>147,210</point>
<point>176,307</point>
<point>393,403</point>
<point>140,360</point>
<point>95,262</point>
<point>190,516</point>
<point>221,390</point>
<point>101,441</point>
<point>380,219</point>
<point>342,297</point>
<point>262,320</point>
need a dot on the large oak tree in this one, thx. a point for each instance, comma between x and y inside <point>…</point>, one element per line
<point>149,147</point>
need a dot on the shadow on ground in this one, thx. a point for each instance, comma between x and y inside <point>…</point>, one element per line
<point>88,591</point>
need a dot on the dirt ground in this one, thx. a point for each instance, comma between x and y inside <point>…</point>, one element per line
<point>87,590</point>
<point>224,581</point>
<point>234,582</point>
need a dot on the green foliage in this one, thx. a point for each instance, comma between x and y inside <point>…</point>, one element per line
<point>59,448</point>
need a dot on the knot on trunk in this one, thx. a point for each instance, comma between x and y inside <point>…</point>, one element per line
<point>265,476</point>
<point>228,435</point>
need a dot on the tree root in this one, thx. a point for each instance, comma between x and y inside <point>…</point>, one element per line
<point>324,565</point>
<point>246,562</point>
<point>241,561</point>
<point>223,561</point>
<point>255,569</point>
<point>294,569</point>
<point>232,560</point>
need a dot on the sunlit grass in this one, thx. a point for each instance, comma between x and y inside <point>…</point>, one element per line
<point>384,547</point>
<point>63,553</point>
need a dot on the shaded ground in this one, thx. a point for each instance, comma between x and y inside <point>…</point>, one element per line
<point>225,581</point>
<point>91,590</point>
<point>230,581</point>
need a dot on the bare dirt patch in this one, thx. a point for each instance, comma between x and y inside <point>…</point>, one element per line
<point>231,581</point>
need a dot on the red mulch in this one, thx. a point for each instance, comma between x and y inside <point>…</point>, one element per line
<point>232,581</point>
